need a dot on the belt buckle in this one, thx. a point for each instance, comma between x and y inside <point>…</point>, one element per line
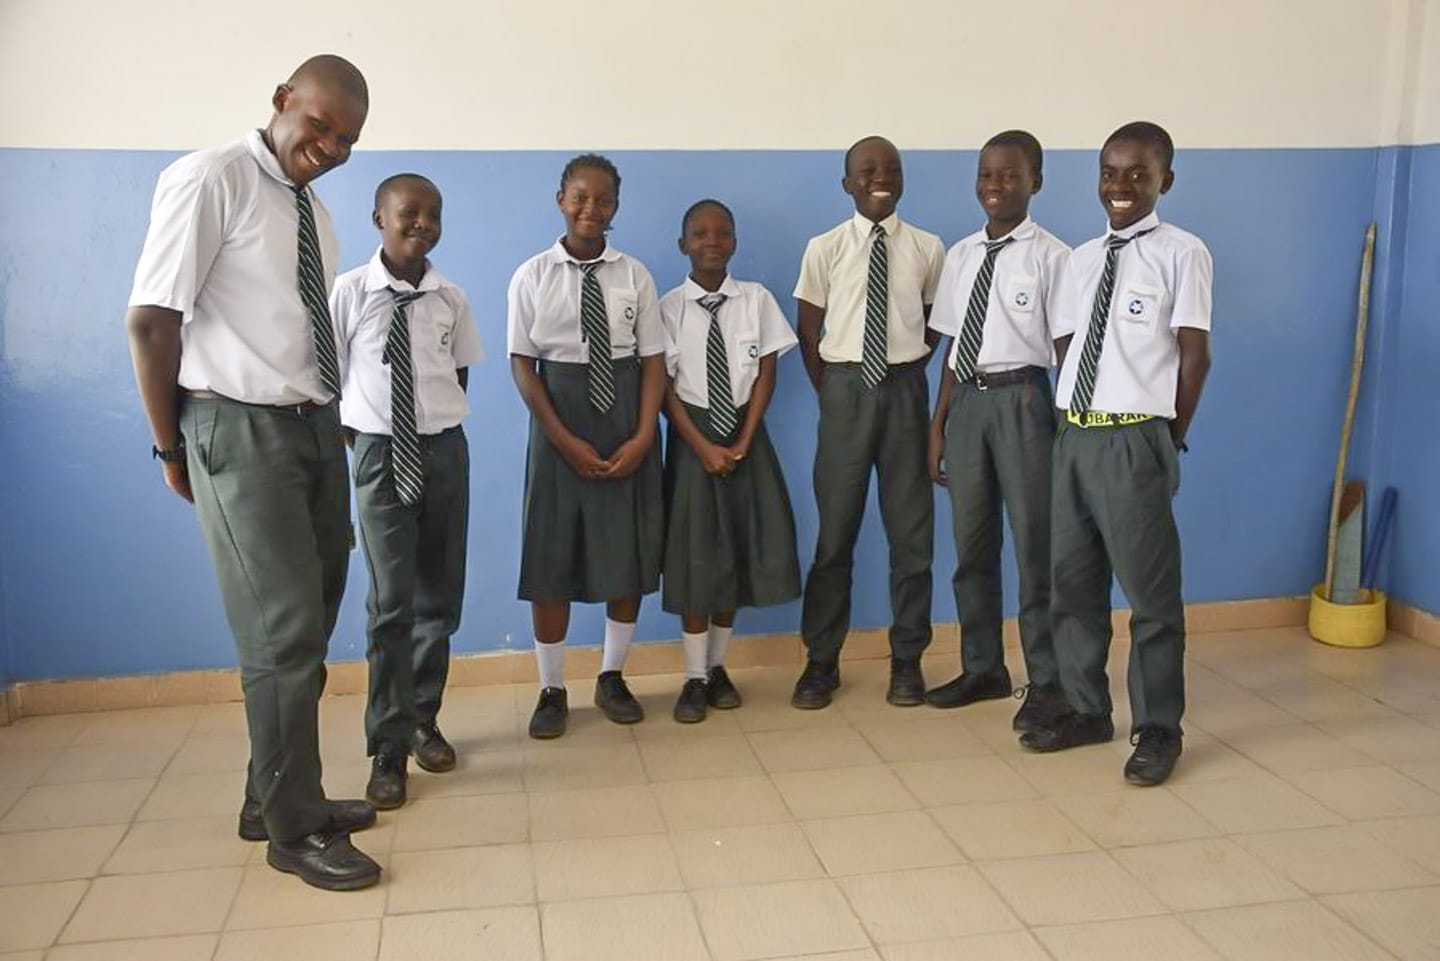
<point>981,384</point>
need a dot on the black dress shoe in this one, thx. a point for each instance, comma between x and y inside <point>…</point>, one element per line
<point>720,690</point>
<point>613,698</point>
<point>1044,703</point>
<point>386,789</point>
<point>816,685</point>
<point>1156,751</point>
<point>690,705</point>
<point>907,684</point>
<point>551,711</point>
<point>969,688</point>
<point>432,752</point>
<point>326,860</point>
<point>1069,730</point>
<point>346,815</point>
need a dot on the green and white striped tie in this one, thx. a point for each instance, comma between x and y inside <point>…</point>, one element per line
<point>311,272</point>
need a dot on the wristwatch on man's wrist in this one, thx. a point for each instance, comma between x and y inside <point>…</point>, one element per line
<point>170,455</point>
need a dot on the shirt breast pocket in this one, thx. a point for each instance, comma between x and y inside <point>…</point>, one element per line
<point>1021,294</point>
<point>621,308</point>
<point>749,348</point>
<point>443,331</point>
<point>1139,304</point>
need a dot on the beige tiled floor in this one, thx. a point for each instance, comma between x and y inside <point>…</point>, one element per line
<point>1303,824</point>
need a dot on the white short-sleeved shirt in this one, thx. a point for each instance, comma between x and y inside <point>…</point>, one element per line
<point>750,322</point>
<point>1023,289</point>
<point>223,250</point>
<point>1162,283</point>
<point>544,307</point>
<point>835,273</point>
<point>442,339</point>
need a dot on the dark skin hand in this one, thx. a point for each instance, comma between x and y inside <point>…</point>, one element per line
<point>716,458</point>
<point>811,327</point>
<point>582,458</point>
<point>628,457</point>
<point>936,454</point>
<point>155,352</point>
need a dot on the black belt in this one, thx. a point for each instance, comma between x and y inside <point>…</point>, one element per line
<point>983,381</point>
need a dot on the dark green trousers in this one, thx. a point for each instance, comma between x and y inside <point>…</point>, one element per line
<point>1112,497</point>
<point>885,430</point>
<point>997,455</point>
<point>273,501</point>
<point>416,557</point>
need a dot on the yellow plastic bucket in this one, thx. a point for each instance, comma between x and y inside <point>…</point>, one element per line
<point>1348,625</point>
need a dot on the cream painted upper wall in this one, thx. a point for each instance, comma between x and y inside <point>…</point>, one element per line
<point>481,74</point>
<point>1422,119</point>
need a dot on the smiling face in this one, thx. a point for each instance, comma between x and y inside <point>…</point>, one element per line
<point>1004,184</point>
<point>709,240</point>
<point>588,201</point>
<point>316,123</point>
<point>1133,175</point>
<point>874,178</point>
<point>409,220</point>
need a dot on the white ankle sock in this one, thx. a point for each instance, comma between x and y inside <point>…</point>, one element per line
<point>617,644</point>
<point>550,659</point>
<point>719,640</point>
<point>696,646</point>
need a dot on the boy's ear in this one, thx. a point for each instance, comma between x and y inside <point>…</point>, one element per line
<point>375,219</point>
<point>1039,182</point>
<point>282,94</point>
<point>559,197</point>
<point>681,244</point>
<point>1167,181</point>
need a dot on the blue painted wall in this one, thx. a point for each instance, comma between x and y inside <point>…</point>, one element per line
<point>104,572</point>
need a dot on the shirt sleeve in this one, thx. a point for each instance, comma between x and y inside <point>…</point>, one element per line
<point>186,232</point>
<point>1194,272</point>
<point>776,335</point>
<point>465,346</point>
<point>813,286</point>
<point>649,332</point>
<point>1061,309</point>
<point>943,315</point>
<point>671,309</point>
<point>520,314</point>
<point>342,312</point>
<point>1052,268</point>
<point>934,264</point>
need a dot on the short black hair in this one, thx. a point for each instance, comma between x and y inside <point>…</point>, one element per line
<point>396,179</point>
<point>873,138</point>
<point>589,161</point>
<point>1147,133</point>
<point>700,205</point>
<point>1023,139</point>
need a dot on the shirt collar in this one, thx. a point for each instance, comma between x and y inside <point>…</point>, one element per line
<point>559,255</point>
<point>1149,222</point>
<point>864,224</point>
<point>694,291</point>
<point>255,142</point>
<point>378,278</point>
<point>1023,231</point>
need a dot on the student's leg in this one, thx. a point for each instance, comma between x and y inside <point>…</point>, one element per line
<point>612,695</point>
<point>843,461</point>
<point>975,509</point>
<point>257,475</point>
<point>1023,442</point>
<point>440,572</point>
<point>1080,572</point>
<point>551,619</point>
<point>389,537</point>
<point>1142,477</point>
<point>907,506</point>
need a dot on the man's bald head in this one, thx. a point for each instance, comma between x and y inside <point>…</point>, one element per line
<point>334,71</point>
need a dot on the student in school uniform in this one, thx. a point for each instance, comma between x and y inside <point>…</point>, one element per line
<point>235,358</point>
<point>864,295</point>
<point>587,353</point>
<point>730,540</point>
<point>407,339</point>
<point>994,425</point>
<point>1137,301</point>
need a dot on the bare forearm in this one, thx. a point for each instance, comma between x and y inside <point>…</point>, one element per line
<point>537,398</point>
<point>1062,346</point>
<point>1194,368</point>
<point>812,322</point>
<point>760,396</point>
<point>155,353</point>
<point>680,418</point>
<point>942,400</point>
<point>653,382</point>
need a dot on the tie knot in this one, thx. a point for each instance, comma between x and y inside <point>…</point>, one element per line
<point>589,269</point>
<point>404,297</point>
<point>877,232</point>
<point>993,247</point>
<point>1115,241</point>
<point>712,302</point>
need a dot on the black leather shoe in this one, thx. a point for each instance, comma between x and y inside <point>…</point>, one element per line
<point>1156,751</point>
<point>326,860</point>
<point>1069,730</point>
<point>907,684</point>
<point>386,789</point>
<point>345,815</point>
<point>1044,703</point>
<point>969,688</point>
<point>720,690</point>
<point>613,698</point>
<point>816,685</point>
<point>690,705</point>
<point>551,712</point>
<point>432,752</point>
